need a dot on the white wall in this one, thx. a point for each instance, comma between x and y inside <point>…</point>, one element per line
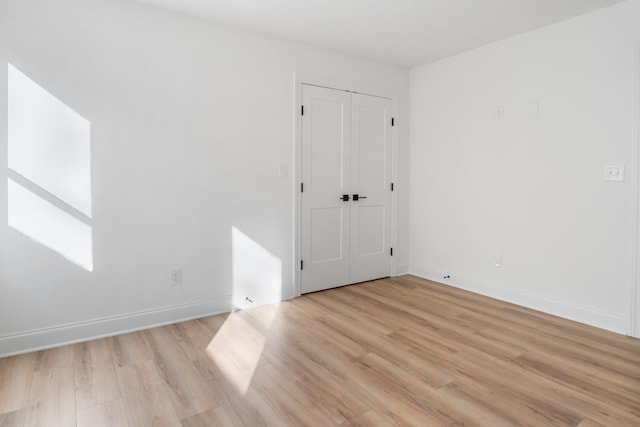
<point>190,121</point>
<point>531,188</point>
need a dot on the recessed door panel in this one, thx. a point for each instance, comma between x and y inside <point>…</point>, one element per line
<point>326,235</point>
<point>371,227</point>
<point>371,155</point>
<point>327,135</point>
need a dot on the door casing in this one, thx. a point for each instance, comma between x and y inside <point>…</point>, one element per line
<point>634,306</point>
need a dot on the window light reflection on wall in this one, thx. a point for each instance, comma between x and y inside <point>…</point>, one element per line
<point>49,170</point>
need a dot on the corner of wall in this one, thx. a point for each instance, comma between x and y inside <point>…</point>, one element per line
<point>402,270</point>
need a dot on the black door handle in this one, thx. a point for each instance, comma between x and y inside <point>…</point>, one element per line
<point>345,198</point>
<point>357,197</point>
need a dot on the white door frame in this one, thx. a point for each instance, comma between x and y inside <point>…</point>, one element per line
<point>299,80</point>
<point>634,315</point>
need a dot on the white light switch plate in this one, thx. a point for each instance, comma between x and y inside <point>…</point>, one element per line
<point>283,171</point>
<point>613,173</point>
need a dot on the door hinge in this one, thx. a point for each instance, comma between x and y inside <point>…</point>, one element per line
<point>301,265</point>
<point>393,121</point>
<point>392,186</point>
<point>302,187</point>
<point>302,110</point>
<point>391,251</point>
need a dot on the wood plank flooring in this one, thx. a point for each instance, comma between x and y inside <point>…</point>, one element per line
<point>394,352</point>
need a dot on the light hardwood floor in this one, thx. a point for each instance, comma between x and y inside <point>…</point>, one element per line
<point>401,351</point>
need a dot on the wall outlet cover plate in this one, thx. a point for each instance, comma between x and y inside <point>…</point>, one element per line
<point>614,173</point>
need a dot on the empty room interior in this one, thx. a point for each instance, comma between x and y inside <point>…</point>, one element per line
<point>339,213</point>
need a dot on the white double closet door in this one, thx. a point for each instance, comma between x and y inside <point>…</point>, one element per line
<point>346,159</point>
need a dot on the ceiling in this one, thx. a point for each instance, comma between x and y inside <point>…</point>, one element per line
<point>403,32</point>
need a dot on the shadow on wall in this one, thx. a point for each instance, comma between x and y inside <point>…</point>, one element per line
<point>49,170</point>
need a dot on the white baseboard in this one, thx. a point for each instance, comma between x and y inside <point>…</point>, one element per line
<point>264,297</point>
<point>56,336</point>
<point>587,315</point>
<point>401,270</point>
<point>288,292</point>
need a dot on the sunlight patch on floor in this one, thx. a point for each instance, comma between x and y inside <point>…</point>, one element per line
<point>238,346</point>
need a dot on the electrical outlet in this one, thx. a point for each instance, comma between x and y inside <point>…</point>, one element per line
<point>499,112</point>
<point>614,173</point>
<point>176,277</point>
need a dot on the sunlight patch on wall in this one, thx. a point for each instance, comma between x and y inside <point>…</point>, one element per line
<point>49,225</point>
<point>257,273</point>
<point>49,157</point>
